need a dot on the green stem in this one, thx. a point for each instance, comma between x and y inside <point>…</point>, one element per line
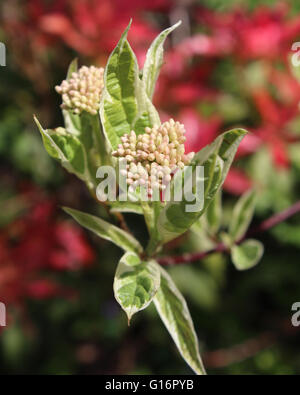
<point>149,216</point>
<point>150,219</point>
<point>153,246</point>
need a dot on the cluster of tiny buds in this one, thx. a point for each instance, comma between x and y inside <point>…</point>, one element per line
<point>82,91</point>
<point>152,157</point>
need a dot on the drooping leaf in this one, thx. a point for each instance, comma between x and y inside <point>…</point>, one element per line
<point>174,313</point>
<point>154,60</point>
<point>247,254</point>
<point>242,215</point>
<point>66,148</point>
<point>105,230</point>
<point>216,160</point>
<point>125,105</point>
<point>135,283</point>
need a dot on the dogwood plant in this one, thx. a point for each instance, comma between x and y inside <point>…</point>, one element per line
<point>109,115</point>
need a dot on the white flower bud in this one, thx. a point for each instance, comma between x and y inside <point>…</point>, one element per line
<point>83,90</point>
<point>154,156</point>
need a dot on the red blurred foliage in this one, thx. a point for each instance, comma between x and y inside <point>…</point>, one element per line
<point>92,28</point>
<point>36,243</point>
<point>277,113</point>
<point>237,182</point>
<point>266,33</point>
<point>199,131</point>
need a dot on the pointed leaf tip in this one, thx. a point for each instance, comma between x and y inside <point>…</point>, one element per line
<point>136,283</point>
<point>73,67</point>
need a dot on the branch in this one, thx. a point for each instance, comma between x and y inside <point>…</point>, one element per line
<point>262,227</point>
<point>249,348</point>
<point>275,219</point>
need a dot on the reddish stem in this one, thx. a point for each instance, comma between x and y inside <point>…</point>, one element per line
<point>262,227</point>
<point>275,219</point>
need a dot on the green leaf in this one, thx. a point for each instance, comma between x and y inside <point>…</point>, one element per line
<point>146,116</point>
<point>247,254</point>
<point>105,230</point>
<point>73,67</point>
<point>226,239</point>
<point>125,105</point>
<point>213,214</point>
<point>216,160</point>
<point>72,122</point>
<point>126,207</point>
<point>66,148</point>
<point>88,129</point>
<point>242,215</point>
<point>154,60</point>
<point>174,313</point>
<point>135,283</point>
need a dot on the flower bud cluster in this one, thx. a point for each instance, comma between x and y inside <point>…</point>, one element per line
<point>82,91</point>
<point>152,157</point>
